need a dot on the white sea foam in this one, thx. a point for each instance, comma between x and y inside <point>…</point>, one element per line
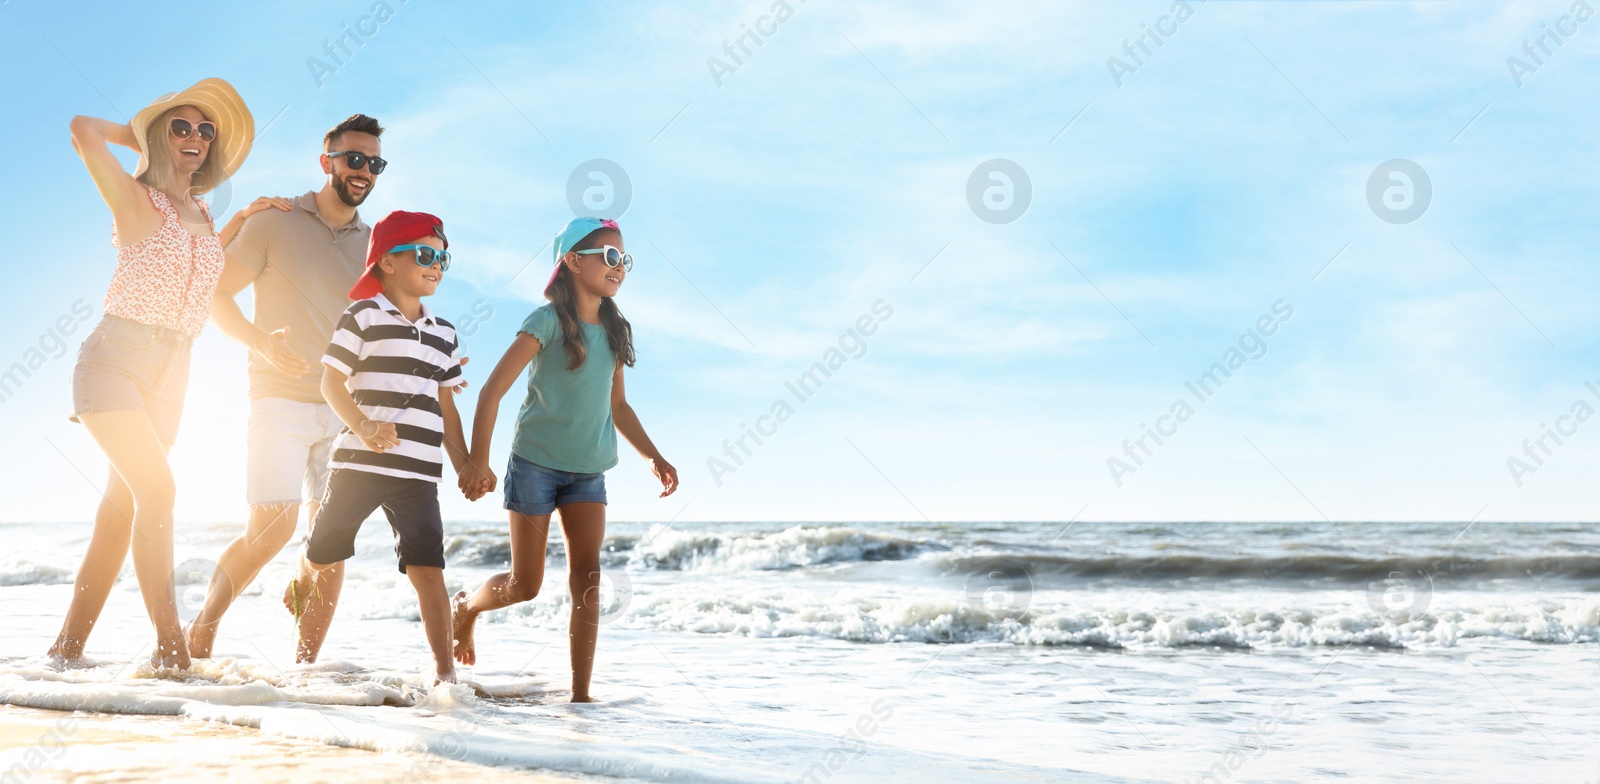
<point>866,619</point>
<point>25,572</point>
<point>663,547</point>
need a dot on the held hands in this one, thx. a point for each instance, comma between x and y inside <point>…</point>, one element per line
<point>476,480</point>
<point>274,348</point>
<point>380,437</point>
<point>667,474</point>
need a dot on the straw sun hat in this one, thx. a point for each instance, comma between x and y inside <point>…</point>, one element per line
<point>221,104</point>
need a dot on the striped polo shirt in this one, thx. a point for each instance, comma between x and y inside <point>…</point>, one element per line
<point>397,368</point>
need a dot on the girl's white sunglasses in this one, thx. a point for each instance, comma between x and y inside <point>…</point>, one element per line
<point>613,257</point>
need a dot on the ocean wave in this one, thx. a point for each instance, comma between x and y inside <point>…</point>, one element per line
<point>1339,568</point>
<point>668,548</point>
<point>23,572</point>
<point>863,619</point>
<point>665,548</point>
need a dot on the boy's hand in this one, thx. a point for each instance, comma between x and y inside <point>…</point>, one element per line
<point>667,474</point>
<point>377,436</point>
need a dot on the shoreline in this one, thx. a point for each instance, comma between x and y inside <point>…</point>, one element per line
<point>43,745</point>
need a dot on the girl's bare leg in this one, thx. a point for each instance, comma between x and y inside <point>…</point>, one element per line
<point>108,548</point>
<point>584,526</point>
<point>528,538</point>
<point>136,452</point>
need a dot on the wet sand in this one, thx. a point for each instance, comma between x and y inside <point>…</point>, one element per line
<point>47,746</point>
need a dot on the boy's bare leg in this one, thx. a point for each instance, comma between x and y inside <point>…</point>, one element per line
<point>108,549</point>
<point>313,595</point>
<point>584,527</point>
<point>434,602</point>
<point>528,538</point>
<point>271,526</point>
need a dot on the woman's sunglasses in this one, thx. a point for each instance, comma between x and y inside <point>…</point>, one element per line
<point>181,128</point>
<point>427,255</point>
<point>613,257</point>
<point>356,160</point>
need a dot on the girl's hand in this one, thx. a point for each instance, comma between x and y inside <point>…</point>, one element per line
<point>462,387</point>
<point>667,474</point>
<point>377,436</point>
<point>274,348</point>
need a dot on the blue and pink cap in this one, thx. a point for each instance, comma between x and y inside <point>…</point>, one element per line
<point>572,235</point>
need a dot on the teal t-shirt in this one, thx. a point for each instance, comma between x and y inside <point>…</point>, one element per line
<point>565,423</point>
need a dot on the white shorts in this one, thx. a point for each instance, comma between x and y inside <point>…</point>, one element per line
<point>287,448</point>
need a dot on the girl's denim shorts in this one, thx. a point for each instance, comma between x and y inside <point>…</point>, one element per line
<point>535,491</point>
<point>126,365</point>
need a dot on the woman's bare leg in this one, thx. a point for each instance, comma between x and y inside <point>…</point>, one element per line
<point>528,538</point>
<point>108,548</point>
<point>584,527</point>
<point>136,452</point>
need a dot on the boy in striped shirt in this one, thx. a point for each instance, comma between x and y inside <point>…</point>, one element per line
<point>390,371</point>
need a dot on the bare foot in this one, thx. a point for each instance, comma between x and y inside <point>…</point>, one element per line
<point>583,698</point>
<point>66,652</point>
<point>462,623</point>
<point>295,595</point>
<point>170,654</point>
<point>59,662</point>
<point>199,638</point>
<point>448,676</point>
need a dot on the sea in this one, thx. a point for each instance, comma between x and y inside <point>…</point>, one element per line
<point>872,652</point>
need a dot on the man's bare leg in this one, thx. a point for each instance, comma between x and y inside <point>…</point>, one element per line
<point>313,596</point>
<point>271,526</point>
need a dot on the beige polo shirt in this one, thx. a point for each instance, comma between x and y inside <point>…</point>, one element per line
<point>304,270</point>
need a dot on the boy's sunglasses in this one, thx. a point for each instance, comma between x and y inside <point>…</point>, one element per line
<point>181,128</point>
<point>356,160</point>
<point>427,255</point>
<point>613,257</point>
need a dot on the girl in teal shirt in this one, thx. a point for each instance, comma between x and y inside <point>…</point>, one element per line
<point>565,438</point>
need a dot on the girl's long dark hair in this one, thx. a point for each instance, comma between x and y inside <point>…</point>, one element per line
<point>619,333</point>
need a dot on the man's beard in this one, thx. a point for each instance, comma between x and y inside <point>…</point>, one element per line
<point>350,199</point>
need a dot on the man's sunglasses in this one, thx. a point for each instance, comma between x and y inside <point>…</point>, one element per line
<point>356,160</point>
<point>181,128</point>
<point>427,255</point>
<point>613,257</point>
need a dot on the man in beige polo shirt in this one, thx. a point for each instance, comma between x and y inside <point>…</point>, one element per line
<point>302,258</point>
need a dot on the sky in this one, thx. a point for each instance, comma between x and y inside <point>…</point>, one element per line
<point>1015,236</point>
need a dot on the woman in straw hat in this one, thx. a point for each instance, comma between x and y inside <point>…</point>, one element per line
<point>132,370</point>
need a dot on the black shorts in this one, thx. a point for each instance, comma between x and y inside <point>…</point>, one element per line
<point>412,506</point>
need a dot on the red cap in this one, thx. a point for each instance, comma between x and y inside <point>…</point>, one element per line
<point>396,228</point>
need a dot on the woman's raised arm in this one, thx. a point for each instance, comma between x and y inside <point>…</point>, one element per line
<point>131,210</point>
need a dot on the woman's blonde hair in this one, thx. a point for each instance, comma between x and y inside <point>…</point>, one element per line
<point>163,169</point>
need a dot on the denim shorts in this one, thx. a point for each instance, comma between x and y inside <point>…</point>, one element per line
<point>126,365</point>
<point>535,491</point>
<point>287,445</point>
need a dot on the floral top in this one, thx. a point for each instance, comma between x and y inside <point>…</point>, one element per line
<point>167,278</point>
